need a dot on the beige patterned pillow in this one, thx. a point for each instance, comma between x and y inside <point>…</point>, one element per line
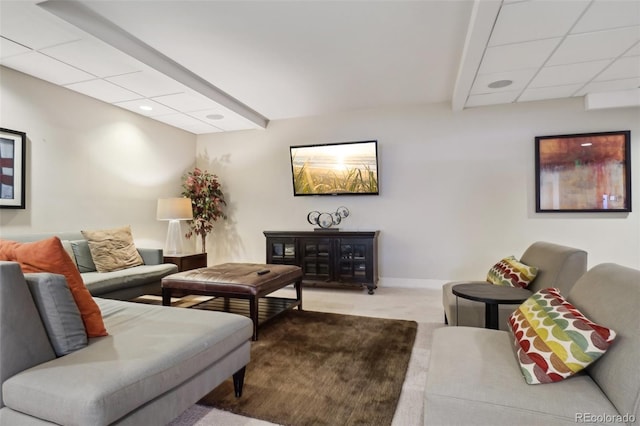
<point>113,249</point>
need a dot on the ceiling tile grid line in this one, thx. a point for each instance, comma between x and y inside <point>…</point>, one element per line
<point>613,62</point>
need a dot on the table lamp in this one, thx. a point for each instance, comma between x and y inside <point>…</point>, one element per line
<point>174,210</point>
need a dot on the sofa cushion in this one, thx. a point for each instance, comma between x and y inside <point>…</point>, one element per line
<point>66,245</point>
<point>511,272</point>
<point>58,311</point>
<point>553,339</point>
<point>113,249</point>
<point>83,256</point>
<point>101,283</point>
<point>474,379</point>
<point>150,351</point>
<point>49,256</point>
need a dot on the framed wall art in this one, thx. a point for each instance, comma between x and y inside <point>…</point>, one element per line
<point>589,172</point>
<point>12,168</point>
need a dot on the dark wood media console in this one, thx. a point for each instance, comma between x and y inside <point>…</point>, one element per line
<point>328,257</point>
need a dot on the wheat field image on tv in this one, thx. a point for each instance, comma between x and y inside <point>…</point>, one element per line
<point>328,169</point>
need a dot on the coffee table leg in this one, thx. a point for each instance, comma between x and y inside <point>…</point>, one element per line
<point>253,313</point>
<point>491,316</point>
<point>298,286</point>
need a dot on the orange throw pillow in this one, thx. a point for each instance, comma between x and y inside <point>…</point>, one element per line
<point>49,256</point>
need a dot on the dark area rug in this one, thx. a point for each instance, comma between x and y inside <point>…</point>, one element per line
<point>314,368</point>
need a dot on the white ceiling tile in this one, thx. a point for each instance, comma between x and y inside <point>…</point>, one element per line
<point>187,101</point>
<point>625,67</point>
<point>517,56</point>
<point>491,99</point>
<point>548,93</point>
<point>230,120</point>
<point>103,90</point>
<point>95,57</point>
<point>603,14</point>
<point>634,51</point>
<point>46,68</point>
<point>157,109</point>
<point>26,23</point>
<point>609,86</point>
<point>560,75</point>
<point>593,46</point>
<point>9,48</point>
<point>235,122</point>
<point>184,121</point>
<point>148,83</point>
<point>534,20</point>
<point>520,79</point>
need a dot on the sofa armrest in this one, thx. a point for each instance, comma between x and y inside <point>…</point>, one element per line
<point>23,339</point>
<point>151,256</point>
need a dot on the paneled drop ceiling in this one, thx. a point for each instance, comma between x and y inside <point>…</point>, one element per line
<point>210,66</point>
<point>559,49</point>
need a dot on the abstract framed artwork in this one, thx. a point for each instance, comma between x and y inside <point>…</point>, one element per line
<point>588,172</point>
<point>12,168</point>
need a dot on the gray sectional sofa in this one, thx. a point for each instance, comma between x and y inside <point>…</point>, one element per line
<point>475,379</point>
<point>558,267</point>
<point>155,363</point>
<point>125,284</point>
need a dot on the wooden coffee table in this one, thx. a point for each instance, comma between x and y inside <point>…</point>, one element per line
<point>492,296</point>
<point>233,284</point>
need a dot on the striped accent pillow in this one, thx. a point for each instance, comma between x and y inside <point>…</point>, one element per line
<point>553,339</point>
<point>511,272</point>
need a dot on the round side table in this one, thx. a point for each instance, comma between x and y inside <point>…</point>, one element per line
<point>492,296</point>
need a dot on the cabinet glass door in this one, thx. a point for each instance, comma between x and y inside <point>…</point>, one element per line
<point>316,255</point>
<point>282,251</point>
<point>352,260</point>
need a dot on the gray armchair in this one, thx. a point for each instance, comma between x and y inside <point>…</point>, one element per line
<point>558,266</point>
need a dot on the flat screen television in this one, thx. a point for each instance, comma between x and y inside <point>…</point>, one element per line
<point>346,168</point>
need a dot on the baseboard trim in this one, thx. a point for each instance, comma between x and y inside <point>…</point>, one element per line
<point>426,283</point>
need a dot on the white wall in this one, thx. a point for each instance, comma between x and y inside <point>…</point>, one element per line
<point>456,189</point>
<point>90,165</point>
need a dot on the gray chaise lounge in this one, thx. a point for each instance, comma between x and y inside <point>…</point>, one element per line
<point>156,362</point>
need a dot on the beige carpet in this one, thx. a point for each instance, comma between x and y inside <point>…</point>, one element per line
<point>308,364</point>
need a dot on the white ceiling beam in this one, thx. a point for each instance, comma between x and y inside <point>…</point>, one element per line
<point>81,16</point>
<point>483,18</point>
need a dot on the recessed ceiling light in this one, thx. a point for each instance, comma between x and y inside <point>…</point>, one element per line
<point>500,83</point>
<point>145,107</point>
<point>215,116</point>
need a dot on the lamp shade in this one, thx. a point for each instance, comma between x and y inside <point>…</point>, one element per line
<point>174,209</point>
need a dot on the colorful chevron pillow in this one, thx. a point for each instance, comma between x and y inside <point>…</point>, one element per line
<point>553,339</point>
<point>511,272</point>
